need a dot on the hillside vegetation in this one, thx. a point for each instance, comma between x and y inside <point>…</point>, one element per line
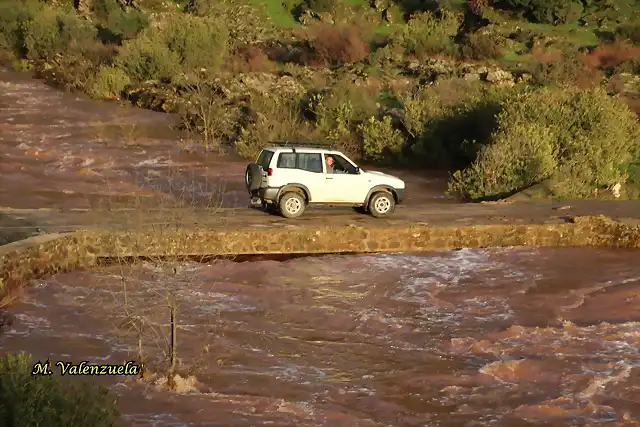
<point>503,93</point>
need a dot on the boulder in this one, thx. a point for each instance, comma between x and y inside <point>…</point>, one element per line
<point>499,76</point>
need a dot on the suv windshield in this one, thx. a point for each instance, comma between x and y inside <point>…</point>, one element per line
<point>264,159</point>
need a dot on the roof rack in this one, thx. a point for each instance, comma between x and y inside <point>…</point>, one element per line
<point>300,144</point>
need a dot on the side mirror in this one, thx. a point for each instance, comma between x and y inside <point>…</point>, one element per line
<point>356,170</point>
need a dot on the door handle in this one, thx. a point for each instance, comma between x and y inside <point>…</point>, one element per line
<point>329,177</point>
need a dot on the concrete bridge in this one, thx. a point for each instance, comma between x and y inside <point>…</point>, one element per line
<point>40,242</point>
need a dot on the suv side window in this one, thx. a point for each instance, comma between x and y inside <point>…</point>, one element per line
<point>287,161</point>
<point>310,162</point>
<point>341,164</point>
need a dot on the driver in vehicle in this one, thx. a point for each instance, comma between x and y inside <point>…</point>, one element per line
<point>332,166</point>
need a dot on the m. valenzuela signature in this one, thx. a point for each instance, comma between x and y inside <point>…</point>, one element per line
<point>86,368</point>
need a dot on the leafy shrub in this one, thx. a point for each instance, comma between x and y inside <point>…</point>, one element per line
<point>337,112</point>
<point>246,23</point>
<point>75,32</point>
<point>631,66</point>
<point>477,7</point>
<point>608,56</point>
<point>630,31</point>
<point>338,44</point>
<point>546,11</point>
<point>13,16</point>
<point>449,121</point>
<point>109,83</point>
<point>147,58</point>
<point>41,35</point>
<point>271,119</point>
<point>425,33</point>
<point>249,59</point>
<point>44,400</point>
<point>198,42</point>
<point>386,56</point>
<point>50,32</point>
<point>117,23</point>
<point>103,8</point>
<point>208,111</point>
<point>578,139</point>
<point>127,25</point>
<point>570,68</point>
<point>71,72</point>
<point>188,42</point>
<point>480,46</point>
<point>380,138</point>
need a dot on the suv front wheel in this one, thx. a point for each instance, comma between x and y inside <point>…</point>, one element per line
<point>381,204</point>
<point>291,205</point>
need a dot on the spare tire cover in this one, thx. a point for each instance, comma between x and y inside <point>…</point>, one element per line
<point>253,177</point>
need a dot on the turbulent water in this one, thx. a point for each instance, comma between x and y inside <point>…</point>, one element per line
<point>509,337</point>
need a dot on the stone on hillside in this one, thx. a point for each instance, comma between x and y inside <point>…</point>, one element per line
<point>499,76</point>
<point>264,83</point>
<point>326,18</point>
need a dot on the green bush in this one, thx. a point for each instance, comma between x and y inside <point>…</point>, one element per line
<point>426,33</point>
<point>146,58</point>
<point>41,400</point>
<point>380,138</point>
<point>127,25</point>
<point>245,23</point>
<point>271,119</point>
<point>568,69</point>
<point>480,46</point>
<point>109,83</point>
<point>630,31</point>
<point>13,16</point>
<point>198,42</point>
<point>118,24</point>
<point>188,42</point>
<point>50,32</point>
<point>75,32</point>
<point>337,112</point>
<point>42,35</point>
<point>448,122</point>
<point>546,11</point>
<point>578,139</point>
<point>103,8</point>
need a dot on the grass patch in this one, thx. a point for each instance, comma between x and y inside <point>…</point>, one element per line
<point>280,16</point>
<point>355,2</point>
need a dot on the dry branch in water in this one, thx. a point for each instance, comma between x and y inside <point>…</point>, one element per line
<point>146,296</point>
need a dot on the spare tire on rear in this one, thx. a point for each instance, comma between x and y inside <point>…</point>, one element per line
<point>253,177</point>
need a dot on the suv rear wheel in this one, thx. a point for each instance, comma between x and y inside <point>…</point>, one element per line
<point>381,204</point>
<point>291,205</point>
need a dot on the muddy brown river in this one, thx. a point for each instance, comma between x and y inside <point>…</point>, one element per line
<point>510,337</point>
<point>507,337</point>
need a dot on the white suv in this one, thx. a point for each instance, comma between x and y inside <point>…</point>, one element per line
<point>288,177</point>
